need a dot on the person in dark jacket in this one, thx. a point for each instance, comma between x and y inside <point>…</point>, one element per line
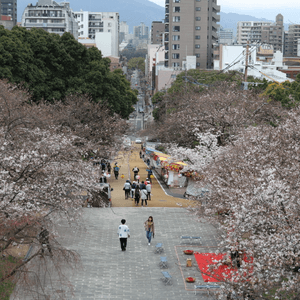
<point>137,195</point>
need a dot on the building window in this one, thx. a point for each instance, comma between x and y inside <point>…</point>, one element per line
<point>198,8</point>
<point>197,46</point>
<point>198,27</point>
<point>176,46</point>
<point>175,64</point>
<point>197,37</point>
<point>176,9</point>
<point>199,1</point>
<point>176,38</point>
<point>198,64</point>
<point>176,1</point>
<point>175,55</point>
<point>198,55</point>
<point>176,19</point>
<point>108,24</point>
<point>176,28</point>
<point>198,18</point>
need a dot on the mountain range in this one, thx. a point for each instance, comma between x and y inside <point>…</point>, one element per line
<point>136,11</point>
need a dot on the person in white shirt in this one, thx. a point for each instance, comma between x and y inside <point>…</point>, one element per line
<point>123,233</point>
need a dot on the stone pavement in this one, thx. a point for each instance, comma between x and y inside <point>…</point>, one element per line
<point>109,273</point>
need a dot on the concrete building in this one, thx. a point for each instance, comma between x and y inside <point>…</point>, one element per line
<point>51,16</point>
<point>102,28</point>
<point>190,30</point>
<point>141,32</point>
<point>265,62</point>
<point>124,31</point>
<point>8,8</point>
<point>157,32</point>
<point>6,22</point>
<point>225,36</point>
<point>262,32</point>
<point>291,40</point>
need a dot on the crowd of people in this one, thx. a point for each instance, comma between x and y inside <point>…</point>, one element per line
<point>138,191</point>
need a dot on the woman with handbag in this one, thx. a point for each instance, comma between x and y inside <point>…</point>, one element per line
<point>149,227</point>
<point>144,195</point>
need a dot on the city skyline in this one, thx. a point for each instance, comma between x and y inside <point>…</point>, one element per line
<point>267,9</point>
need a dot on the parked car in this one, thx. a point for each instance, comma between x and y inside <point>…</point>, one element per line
<point>138,141</point>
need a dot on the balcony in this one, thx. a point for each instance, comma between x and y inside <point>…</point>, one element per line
<point>166,56</point>
<point>96,26</point>
<point>40,15</point>
<point>166,11</point>
<point>167,20</point>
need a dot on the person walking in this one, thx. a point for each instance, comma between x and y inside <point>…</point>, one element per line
<point>144,195</point>
<point>135,171</point>
<point>116,171</point>
<point>103,178</point>
<point>127,188</point>
<point>123,233</point>
<point>103,165</point>
<point>148,162</point>
<point>133,186</point>
<point>137,195</point>
<point>150,174</point>
<point>149,228</point>
<point>148,188</point>
<point>108,168</point>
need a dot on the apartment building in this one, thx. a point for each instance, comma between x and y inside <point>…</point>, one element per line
<point>292,38</point>
<point>100,27</point>
<point>190,30</point>
<point>124,32</point>
<point>157,32</point>
<point>225,36</point>
<point>265,32</point>
<point>8,8</point>
<point>51,16</point>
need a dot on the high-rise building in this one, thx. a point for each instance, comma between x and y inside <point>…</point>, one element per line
<point>157,32</point>
<point>100,27</point>
<point>124,31</point>
<point>51,16</point>
<point>9,8</point>
<point>225,36</point>
<point>141,32</point>
<point>291,40</point>
<point>264,32</point>
<point>190,30</point>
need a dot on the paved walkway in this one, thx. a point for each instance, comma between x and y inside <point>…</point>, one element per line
<point>109,273</point>
<point>160,197</point>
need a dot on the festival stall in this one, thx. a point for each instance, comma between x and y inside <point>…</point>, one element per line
<point>169,171</point>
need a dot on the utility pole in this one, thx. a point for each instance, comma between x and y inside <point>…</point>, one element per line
<point>246,61</point>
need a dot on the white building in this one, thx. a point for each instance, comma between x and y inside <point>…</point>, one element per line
<point>263,61</point>
<point>158,76</point>
<point>244,30</point>
<point>51,16</point>
<point>100,27</point>
<point>124,31</point>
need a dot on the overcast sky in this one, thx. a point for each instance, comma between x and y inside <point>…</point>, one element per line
<point>259,8</point>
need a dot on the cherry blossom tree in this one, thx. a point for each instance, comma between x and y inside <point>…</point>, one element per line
<point>41,174</point>
<point>254,198</point>
<point>224,110</point>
